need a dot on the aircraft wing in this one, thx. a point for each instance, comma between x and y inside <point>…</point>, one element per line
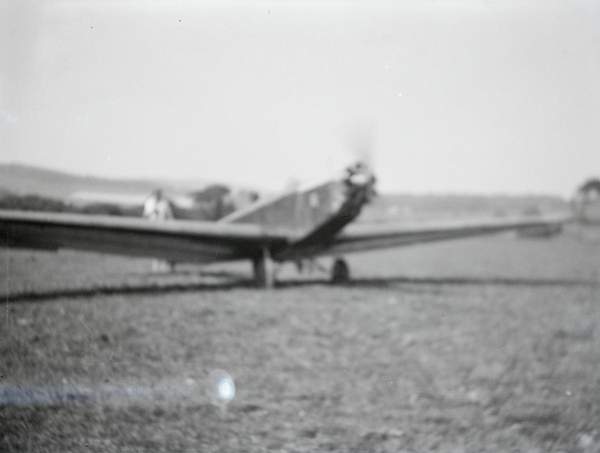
<point>174,240</point>
<point>357,237</point>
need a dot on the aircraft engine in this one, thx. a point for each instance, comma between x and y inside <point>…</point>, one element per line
<point>360,182</point>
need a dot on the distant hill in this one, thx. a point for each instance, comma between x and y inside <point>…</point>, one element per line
<point>399,207</point>
<point>22,179</point>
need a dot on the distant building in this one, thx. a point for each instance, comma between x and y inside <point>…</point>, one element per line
<point>586,202</point>
<point>82,198</point>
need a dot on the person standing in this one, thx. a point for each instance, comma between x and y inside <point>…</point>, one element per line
<point>158,208</point>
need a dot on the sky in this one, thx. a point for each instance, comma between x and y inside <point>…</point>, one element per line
<point>461,96</point>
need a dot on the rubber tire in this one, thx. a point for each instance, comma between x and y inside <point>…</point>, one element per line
<point>340,271</point>
<point>264,273</point>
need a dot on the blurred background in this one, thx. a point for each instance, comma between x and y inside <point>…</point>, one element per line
<point>454,96</point>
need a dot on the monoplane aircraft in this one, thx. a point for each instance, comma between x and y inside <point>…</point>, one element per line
<point>304,224</point>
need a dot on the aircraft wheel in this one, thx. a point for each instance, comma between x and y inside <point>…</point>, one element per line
<point>340,271</point>
<point>264,272</point>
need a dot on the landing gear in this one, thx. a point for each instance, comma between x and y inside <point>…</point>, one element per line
<point>264,272</point>
<point>340,271</point>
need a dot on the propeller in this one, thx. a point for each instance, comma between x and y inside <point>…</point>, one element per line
<point>360,172</point>
<point>361,146</point>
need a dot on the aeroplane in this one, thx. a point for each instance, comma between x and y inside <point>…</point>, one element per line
<point>301,225</point>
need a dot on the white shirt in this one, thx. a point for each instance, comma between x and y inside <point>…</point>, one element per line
<point>157,209</point>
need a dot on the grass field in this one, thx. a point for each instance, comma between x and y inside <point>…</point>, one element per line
<point>478,345</point>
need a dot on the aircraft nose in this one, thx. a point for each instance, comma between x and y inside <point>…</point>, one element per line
<point>360,179</point>
<point>359,174</point>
